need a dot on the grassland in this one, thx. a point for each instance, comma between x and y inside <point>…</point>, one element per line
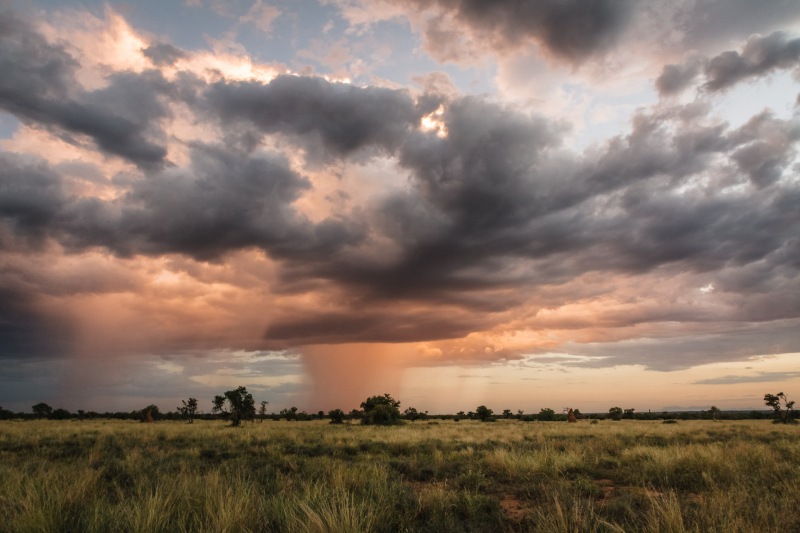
<point>423,476</point>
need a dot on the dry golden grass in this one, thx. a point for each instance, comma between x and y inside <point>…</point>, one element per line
<point>422,476</point>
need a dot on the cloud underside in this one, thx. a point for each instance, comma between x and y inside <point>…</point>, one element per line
<point>492,231</point>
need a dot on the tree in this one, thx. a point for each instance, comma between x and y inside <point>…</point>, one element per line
<point>783,414</point>
<point>262,411</point>
<point>483,413</point>
<point>546,414</point>
<point>42,410</point>
<point>628,413</point>
<point>336,416</point>
<point>289,414</point>
<point>237,404</point>
<point>411,414</point>
<point>381,410</point>
<point>714,412</point>
<point>615,413</point>
<point>506,413</point>
<point>188,409</point>
<point>60,414</point>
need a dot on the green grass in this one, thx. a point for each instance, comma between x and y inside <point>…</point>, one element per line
<point>423,476</point>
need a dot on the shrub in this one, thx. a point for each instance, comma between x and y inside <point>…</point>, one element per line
<point>381,410</point>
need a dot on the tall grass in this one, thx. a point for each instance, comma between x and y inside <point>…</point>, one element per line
<point>422,476</point>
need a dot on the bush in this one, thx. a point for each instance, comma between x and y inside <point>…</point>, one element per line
<point>381,410</point>
<point>336,416</point>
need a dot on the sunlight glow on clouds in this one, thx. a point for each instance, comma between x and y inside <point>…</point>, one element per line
<point>322,215</point>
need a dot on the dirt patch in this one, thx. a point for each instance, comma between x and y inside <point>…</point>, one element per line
<point>514,508</point>
<point>608,488</point>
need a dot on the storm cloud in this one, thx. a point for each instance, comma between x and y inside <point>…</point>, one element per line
<point>39,86</point>
<point>209,210</point>
<point>760,56</point>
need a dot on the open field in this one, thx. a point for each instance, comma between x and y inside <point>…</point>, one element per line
<point>422,476</point>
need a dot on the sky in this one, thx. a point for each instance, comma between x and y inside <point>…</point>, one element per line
<point>517,204</point>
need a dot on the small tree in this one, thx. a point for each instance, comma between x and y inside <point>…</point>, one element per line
<point>411,414</point>
<point>506,413</point>
<point>237,404</point>
<point>546,414</point>
<point>336,416</point>
<point>188,409</point>
<point>615,413</point>
<point>783,414</point>
<point>42,410</point>
<point>483,413</point>
<point>289,414</point>
<point>262,411</point>
<point>714,412</point>
<point>381,410</point>
<point>628,413</point>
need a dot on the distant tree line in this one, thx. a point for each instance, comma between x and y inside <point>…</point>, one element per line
<point>238,405</point>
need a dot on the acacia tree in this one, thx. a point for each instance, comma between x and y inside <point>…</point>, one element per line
<point>783,414</point>
<point>237,404</point>
<point>42,410</point>
<point>262,410</point>
<point>483,413</point>
<point>615,413</point>
<point>188,409</point>
<point>381,410</point>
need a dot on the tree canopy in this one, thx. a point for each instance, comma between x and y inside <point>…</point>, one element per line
<point>237,405</point>
<point>381,410</point>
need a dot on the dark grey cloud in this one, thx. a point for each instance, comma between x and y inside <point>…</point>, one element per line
<point>163,54</point>
<point>27,330</point>
<point>376,325</point>
<point>731,342</point>
<point>759,56</point>
<point>570,30</point>
<point>224,201</point>
<point>30,196</point>
<point>38,87</point>
<point>342,117</point>
<point>675,78</point>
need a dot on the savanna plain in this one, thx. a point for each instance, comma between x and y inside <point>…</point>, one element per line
<point>434,475</point>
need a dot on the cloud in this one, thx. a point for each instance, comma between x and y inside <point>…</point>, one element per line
<point>761,377</point>
<point>571,31</point>
<point>759,56</point>
<point>163,54</point>
<point>41,89</point>
<point>261,15</point>
<point>674,78</point>
<point>295,213</point>
<point>341,117</point>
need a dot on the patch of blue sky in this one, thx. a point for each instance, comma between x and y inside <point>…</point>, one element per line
<point>8,125</point>
<point>777,93</point>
